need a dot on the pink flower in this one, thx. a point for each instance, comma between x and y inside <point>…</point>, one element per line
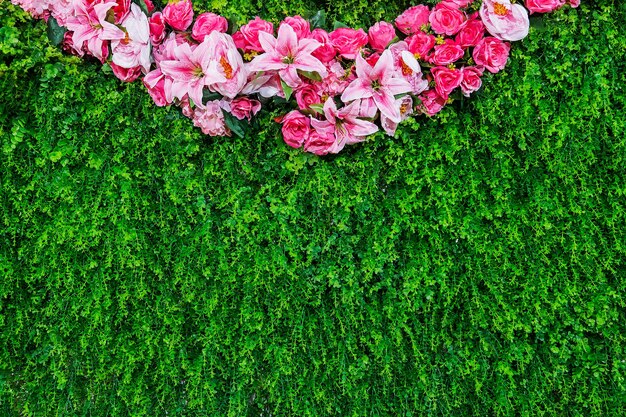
<point>192,70</point>
<point>348,42</point>
<point>574,3</point>
<point>286,54</point>
<point>505,21</point>
<point>229,65</point>
<point>320,140</point>
<point>306,96</point>
<point>134,49</point>
<point>420,45</point>
<point>447,53</point>
<point>446,19</point>
<point>121,10</point>
<point>345,125</point>
<point>247,37</point>
<point>243,107</point>
<point>413,19</point>
<point>125,74</point>
<point>157,28</point>
<point>301,26</point>
<point>380,82</point>
<point>159,87</point>
<point>446,80</point>
<point>296,128</point>
<point>459,3</point>
<point>89,25</point>
<point>178,14</point>
<point>405,106</point>
<point>543,6</point>
<point>432,102</point>
<point>407,65</point>
<point>380,35</point>
<point>325,52</point>
<point>210,119</point>
<point>471,80</point>
<point>207,23</point>
<point>471,33</point>
<point>491,53</point>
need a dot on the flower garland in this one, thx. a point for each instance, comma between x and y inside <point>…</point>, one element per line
<point>347,83</point>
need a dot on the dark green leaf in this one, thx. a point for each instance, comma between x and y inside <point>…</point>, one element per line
<point>55,32</point>
<point>318,20</point>
<point>238,127</point>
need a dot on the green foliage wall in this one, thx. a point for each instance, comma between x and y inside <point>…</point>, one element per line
<point>473,265</point>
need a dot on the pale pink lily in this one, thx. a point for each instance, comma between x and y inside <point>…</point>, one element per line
<point>191,71</point>
<point>286,54</point>
<point>407,65</point>
<point>134,49</point>
<point>89,25</point>
<point>344,124</point>
<point>405,104</point>
<point>381,82</point>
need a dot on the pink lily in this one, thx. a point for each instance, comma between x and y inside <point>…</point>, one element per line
<point>344,124</point>
<point>286,54</point>
<point>134,50</point>
<point>89,24</point>
<point>381,82</point>
<point>192,71</point>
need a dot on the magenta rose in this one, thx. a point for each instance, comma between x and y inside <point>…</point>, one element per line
<point>348,42</point>
<point>325,52</point>
<point>301,26</point>
<point>471,80</point>
<point>505,21</point>
<point>380,35</point>
<point>121,10</point>
<point>320,141</point>
<point>447,53</point>
<point>446,19</point>
<point>471,33</point>
<point>127,75</point>
<point>149,5</point>
<point>178,14</point>
<point>244,108</point>
<point>543,6</point>
<point>247,37</point>
<point>446,80</point>
<point>413,19</point>
<point>157,28</point>
<point>432,102</point>
<point>574,3</point>
<point>306,96</point>
<point>491,53</point>
<point>207,23</point>
<point>155,83</point>
<point>421,45</point>
<point>458,3</point>
<point>296,128</point>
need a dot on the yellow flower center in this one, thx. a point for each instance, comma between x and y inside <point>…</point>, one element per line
<point>500,9</point>
<point>228,69</point>
<point>249,56</point>
<point>406,70</point>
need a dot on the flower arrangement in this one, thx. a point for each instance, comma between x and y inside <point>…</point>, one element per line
<point>343,85</point>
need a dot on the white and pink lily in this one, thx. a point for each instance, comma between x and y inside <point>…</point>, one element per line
<point>134,50</point>
<point>344,124</point>
<point>286,54</point>
<point>380,82</point>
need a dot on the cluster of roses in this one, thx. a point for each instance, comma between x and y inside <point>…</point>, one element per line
<point>342,81</point>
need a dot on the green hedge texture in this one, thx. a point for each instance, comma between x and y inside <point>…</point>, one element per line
<point>474,265</point>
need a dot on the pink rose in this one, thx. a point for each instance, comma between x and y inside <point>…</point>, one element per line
<point>432,102</point>
<point>69,47</point>
<point>380,35</point>
<point>320,140</point>
<point>157,28</point>
<point>348,41</point>
<point>471,80</point>
<point>301,26</point>
<point>296,128</point>
<point>447,53</point>
<point>458,3</point>
<point>491,53</point>
<point>121,10</point>
<point>125,74</point>
<point>306,96</point>
<point>178,14</point>
<point>247,37</point>
<point>421,44</point>
<point>505,21</point>
<point>446,80</point>
<point>446,19</point>
<point>574,3</point>
<point>207,23</point>
<point>211,119</point>
<point>413,19</point>
<point>244,108</point>
<point>471,33</point>
<point>157,85</point>
<point>543,6</point>
<point>149,5</point>
<point>325,52</point>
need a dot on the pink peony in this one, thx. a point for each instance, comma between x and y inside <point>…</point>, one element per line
<point>446,19</point>
<point>301,26</point>
<point>231,75</point>
<point>491,53</point>
<point>247,37</point>
<point>471,80</point>
<point>210,119</point>
<point>207,23</point>
<point>157,28</point>
<point>325,52</point>
<point>296,128</point>
<point>134,50</point>
<point>543,6</point>
<point>446,80</point>
<point>505,21</point>
<point>413,19</point>
<point>348,42</point>
<point>178,14</point>
<point>380,35</point>
<point>243,108</point>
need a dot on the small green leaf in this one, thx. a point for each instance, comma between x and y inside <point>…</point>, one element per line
<point>287,90</point>
<point>209,96</point>
<point>238,127</point>
<point>55,32</point>
<point>311,75</point>
<point>318,20</point>
<point>142,5</point>
<point>338,25</point>
<point>318,108</point>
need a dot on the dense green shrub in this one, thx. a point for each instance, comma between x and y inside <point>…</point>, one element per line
<point>474,265</point>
